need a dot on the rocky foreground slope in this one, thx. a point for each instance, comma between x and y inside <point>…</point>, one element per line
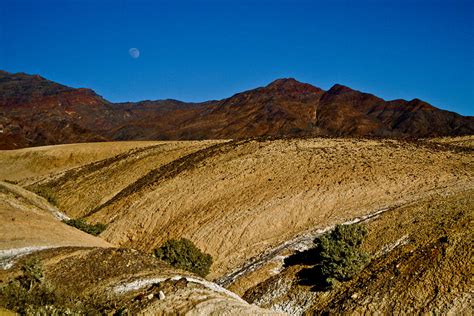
<point>421,263</point>
<point>50,268</point>
<point>35,111</point>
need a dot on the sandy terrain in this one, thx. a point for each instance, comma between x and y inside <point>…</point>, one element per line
<point>28,223</point>
<point>96,183</point>
<point>93,274</point>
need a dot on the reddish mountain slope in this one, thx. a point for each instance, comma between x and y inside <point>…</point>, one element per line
<point>35,111</point>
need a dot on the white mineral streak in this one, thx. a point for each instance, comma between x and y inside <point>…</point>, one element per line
<point>140,283</point>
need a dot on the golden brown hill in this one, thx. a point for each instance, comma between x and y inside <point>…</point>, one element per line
<point>95,183</point>
<point>238,200</point>
<point>251,203</point>
<point>26,165</point>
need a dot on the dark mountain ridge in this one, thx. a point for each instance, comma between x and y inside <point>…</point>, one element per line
<point>35,111</point>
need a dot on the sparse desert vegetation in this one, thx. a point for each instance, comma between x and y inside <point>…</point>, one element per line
<point>413,248</point>
<point>29,294</point>
<point>338,255</point>
<point>47,193</point>
<point>104,281</point>
<point>183,254</point>
<point>93,229</point>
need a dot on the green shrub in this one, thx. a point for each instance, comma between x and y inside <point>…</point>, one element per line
<point>10,181</point>
<point>30,294</point>
<point>340,254</point>
<point>85,227</point>
<point>32,273</point>
<point>47,193</point>
<point>183,254</point>
<point>27,290</point>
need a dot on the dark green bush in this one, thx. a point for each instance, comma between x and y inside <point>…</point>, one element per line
<point>47,193</point>
<point>30,294</point>
<point>340,254</point>
<point>10,181</point>
<point>85,227</point>
<point>27,290</point>
<point>183,254</point>
<point>32,273</point>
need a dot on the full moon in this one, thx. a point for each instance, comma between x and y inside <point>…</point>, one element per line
<point>134,53</point>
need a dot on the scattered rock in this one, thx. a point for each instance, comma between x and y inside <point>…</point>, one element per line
<point>181,283</point>
<point>161,295</point>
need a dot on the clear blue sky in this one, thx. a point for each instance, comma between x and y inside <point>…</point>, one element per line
<point>201,50</point>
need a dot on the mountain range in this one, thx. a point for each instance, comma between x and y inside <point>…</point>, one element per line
<point>35,111</point>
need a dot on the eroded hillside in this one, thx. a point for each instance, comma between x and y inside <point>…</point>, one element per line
<point>95,183</point>
<point>110,281</point>
<point>239,199</point>
<point>29,222</point>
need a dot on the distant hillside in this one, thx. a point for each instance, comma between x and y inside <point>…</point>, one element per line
<point>35,111</point>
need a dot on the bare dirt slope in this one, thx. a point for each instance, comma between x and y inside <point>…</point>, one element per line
<point>249,203</point>
<point>28,220</point>
<point>24,165</point>
<point>460,141</point>
<point>28,223</point>
<point>238,199</point>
